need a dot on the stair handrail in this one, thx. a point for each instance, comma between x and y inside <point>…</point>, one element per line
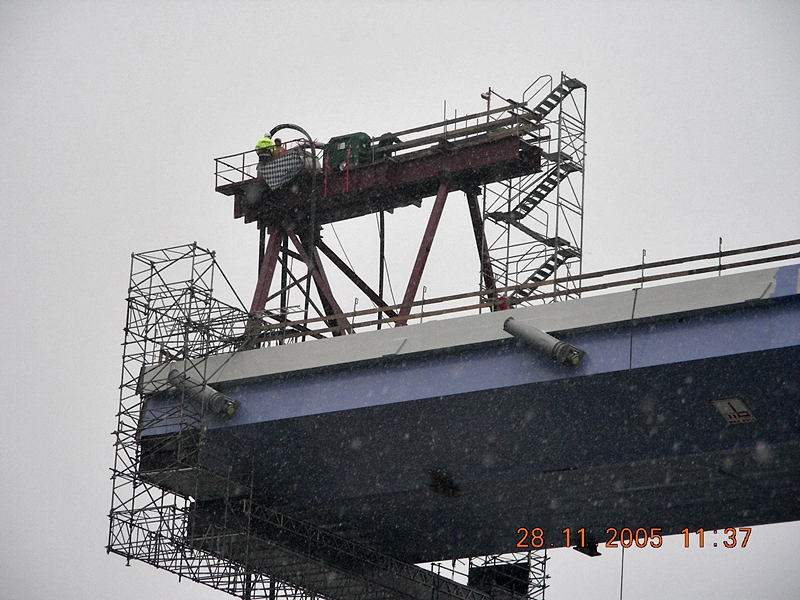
<point>549,81</point>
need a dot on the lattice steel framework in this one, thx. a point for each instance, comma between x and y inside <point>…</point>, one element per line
<point>516,575</point>
<point>171,315</point>
<point>530,227</point>
<point>526,158</point>
<point>534,224</point>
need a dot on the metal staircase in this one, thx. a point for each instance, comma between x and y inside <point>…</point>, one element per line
<point>546,269</point>
<point>555,97</point>
<point>562,166</point>
<point>537,217</point>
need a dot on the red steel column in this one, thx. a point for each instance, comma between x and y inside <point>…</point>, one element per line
<point>424,250</point>
<point>480,240</point>
<point>321,280</point>
<point>267,271</point>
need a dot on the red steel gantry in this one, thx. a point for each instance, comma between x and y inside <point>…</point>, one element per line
<point>525,158</point>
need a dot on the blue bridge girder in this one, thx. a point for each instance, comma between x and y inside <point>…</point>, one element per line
<point>443,439</point>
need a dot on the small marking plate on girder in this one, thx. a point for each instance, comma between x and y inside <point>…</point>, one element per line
<point>734,411</point>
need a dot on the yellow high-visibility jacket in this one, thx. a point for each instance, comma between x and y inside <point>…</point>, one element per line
<point>265,145</point>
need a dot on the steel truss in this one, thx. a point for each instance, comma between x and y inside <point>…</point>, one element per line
<point>502,576</point>
<point>526,158</point>
<point>176,506</point>
<point>534,224</point>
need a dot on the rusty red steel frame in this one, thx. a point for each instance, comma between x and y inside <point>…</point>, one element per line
<point>424,250</point>
<point>498,296</point>
<point>513,156</point>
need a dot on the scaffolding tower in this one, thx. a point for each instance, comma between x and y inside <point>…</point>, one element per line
<point>534,223</point>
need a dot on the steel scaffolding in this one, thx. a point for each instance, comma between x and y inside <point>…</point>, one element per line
<point>171,315</point>
<point>502,576</point>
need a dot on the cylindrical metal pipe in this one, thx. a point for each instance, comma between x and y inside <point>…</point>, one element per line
<point>207,396</point>
<point>559,351</point>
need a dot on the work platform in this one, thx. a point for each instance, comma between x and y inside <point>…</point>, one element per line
<point>402,174</point>
<point>443,439</point>
<point>520,167</point>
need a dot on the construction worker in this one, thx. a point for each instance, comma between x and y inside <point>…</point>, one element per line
<point>265,148</point>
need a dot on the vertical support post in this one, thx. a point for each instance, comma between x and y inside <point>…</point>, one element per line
<point>487,273</point>
<point>262,239</point>
<point>266,272</point>
<point>424,250</point>
<point>582,157</point>
<point>320,279</point>
<point>644,253</point>
<point>559,176</point>
<point>312,221</point>
<point>284,280</point>
<point>381,253</point>
<point>247,585</point>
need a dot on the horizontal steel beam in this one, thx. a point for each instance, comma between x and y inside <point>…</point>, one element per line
<point>390,183</point>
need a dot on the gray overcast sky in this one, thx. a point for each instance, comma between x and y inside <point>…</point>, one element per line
<point>111,114</point>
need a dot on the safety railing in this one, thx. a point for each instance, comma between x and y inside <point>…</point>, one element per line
<point>235,168</point>
<point>503,298</point>
<point>513,119</point>
<point>243,166</point>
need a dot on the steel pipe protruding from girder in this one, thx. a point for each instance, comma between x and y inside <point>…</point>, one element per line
<point>207,396</point>
<point>559,351</point>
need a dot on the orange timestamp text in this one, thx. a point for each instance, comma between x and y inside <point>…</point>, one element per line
<point>625,537</point>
